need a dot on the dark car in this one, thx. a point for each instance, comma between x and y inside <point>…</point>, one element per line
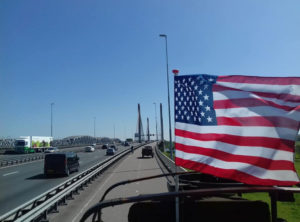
<point>114,147</point>
<point>147,151</point>
<point>110,151</point>
<point>61,163</point>
<point>104,146</point>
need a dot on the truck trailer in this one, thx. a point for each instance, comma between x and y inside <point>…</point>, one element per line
<point>32,144</point>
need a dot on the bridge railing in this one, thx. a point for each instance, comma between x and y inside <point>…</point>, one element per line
<point>41,205</point>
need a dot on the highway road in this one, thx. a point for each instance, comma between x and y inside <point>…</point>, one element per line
<point>131,167</point>
<point>11,157</point>
<point>21,183</point>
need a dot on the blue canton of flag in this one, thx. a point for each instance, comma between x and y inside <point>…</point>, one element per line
<point>194,99</point>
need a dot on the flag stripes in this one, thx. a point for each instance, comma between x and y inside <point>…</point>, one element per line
<point>256,124</point>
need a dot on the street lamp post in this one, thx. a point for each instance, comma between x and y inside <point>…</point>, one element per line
<point>51,118</point>
<point>156,122</point>
<point>170,133</point>
<point>170,129</point>
<point>95,127</point>
<point>114,132</point>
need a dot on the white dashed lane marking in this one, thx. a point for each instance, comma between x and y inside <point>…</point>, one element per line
<point>7,174</point>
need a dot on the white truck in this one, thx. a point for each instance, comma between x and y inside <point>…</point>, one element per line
<point>32,144</point>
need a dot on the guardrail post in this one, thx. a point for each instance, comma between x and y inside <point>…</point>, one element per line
<point>55,208</point>
<point>45,215</point>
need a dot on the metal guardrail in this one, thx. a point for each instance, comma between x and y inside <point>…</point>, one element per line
<point>40,206</point>
<point>13,161</point>
<point>32,157</point>
<point>168,163</point>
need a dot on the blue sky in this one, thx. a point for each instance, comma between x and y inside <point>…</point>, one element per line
<point>100,58</point>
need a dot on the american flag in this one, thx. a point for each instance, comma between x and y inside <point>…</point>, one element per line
<point>238,127</point>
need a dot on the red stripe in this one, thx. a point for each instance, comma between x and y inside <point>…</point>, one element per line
<point>260,80</point>
<point>249,102</point>
<point>281,96</point>
<point>267,121</point>
<point>273,143</point>
<point>230,174</point>
<point>228,157</point>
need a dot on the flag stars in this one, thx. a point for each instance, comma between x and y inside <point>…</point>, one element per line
<point>193,100</point>
<point>207,108</point>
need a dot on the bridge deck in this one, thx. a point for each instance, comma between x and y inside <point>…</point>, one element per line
<point>133,166</point>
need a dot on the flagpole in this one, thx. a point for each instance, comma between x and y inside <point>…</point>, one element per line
<point>175,72</point>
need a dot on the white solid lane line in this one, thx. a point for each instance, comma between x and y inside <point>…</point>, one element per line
<point>7,174</point>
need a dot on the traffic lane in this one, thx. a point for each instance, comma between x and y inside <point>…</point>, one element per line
<point>18,156</point>
<point>134,167</point>
<point>131,167</point>
<point>29,181</point>
<point>101,152</point>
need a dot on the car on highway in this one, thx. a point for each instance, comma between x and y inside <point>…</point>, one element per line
<point>147,151</point>
<point>51,150</point>
<point>104,146</point>
<point>89,149</point>
<point>110,151</point>
<point>114,147</point>
<point>61,163</point>
<point>126,143</point>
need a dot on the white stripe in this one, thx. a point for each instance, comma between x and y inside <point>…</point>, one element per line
<point>249,131</point>
<point>257,111</point>
<point>7,174</point>
<point>264,152</point>
<point>230,94</point>
<point>281,175</point>
<point>277,89</point>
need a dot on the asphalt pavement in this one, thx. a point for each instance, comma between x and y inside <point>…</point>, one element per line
<point>131,167</point>
<point>21,183</point>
